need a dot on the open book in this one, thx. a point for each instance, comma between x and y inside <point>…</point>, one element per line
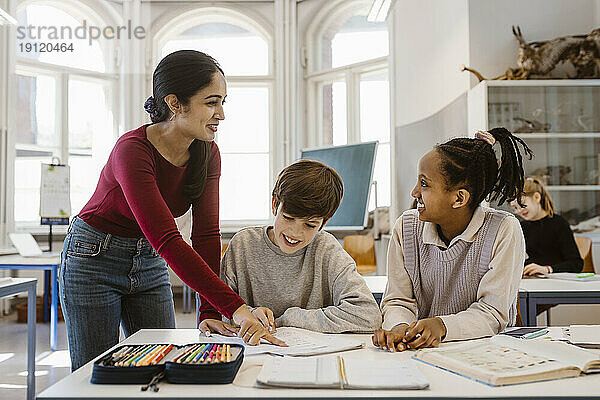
<point>504,360</point>
<point>301,342</point>
<point>341,372</point>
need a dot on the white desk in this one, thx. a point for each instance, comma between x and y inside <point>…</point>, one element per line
<point>50,267</point>
<point>555,291</point>
<point>443,384</point>
<point>18,285</point>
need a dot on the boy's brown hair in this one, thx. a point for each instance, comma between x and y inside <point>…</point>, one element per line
<point>309,189</point>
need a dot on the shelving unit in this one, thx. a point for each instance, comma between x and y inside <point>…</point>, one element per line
<point>560,121</point>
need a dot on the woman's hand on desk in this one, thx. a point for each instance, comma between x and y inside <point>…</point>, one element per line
<point>265,315</point>
<point>209,326</point>
<point>535,269</point>
<point>251,329</point>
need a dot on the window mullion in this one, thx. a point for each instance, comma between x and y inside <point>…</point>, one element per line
<point>63,121</point>
<point>353,106</point>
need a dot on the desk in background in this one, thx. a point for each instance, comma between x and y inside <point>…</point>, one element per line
<point>443,384</point>
<point>18,285</point>
<point>50,267</point>
<point>555,291</point>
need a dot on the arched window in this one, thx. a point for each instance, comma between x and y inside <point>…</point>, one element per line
<point>348,83</point>
<point>244,137</point>
<point>65,101</point>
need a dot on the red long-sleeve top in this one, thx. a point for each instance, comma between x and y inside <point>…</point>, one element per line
<point>139,193</point>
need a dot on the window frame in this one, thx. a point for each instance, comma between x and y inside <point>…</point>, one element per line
<point>62,74</point>
<point>171,24</point>
<point>328,20</point>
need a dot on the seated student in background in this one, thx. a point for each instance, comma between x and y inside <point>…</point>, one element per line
<point>454,265</point>
<point>293,273</point>
<point>549,240</point>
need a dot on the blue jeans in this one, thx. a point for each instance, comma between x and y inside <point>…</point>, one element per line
<point>105,281</point>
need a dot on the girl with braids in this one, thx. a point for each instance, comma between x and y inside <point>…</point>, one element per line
<point>454,265</point>
<point>549,240</point>
<point>115,255</point>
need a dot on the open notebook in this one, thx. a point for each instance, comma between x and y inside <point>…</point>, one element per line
<point>504,360</point>
<point>341,372</point>
<point>301,342</point>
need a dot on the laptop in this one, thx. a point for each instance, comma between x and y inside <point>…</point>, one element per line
<point>28,247</point>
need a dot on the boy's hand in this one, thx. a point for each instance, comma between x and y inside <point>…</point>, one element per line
<point>209,326</point>
<point>427,332</point>
<point>251,329</point>
<point>265,316</point>
<point>390,340</point>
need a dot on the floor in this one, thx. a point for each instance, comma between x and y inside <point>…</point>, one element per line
<point>51,366</point>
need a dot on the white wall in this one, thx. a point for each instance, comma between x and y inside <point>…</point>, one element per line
<point>492,45</point>
<point>433,38</point>
<point>430,44</point>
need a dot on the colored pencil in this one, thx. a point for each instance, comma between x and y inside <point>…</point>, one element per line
<point>199,354</point>
<point>223,353</point>
<point>154,360</point>
<point>143,360</point>
<point>228,353</point>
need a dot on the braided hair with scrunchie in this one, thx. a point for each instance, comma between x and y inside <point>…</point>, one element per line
<point>472,164</point>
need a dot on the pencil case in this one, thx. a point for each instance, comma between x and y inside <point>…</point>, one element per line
<point>168,367</point>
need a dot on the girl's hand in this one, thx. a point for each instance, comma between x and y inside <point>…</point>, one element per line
<point>535,269</point>
<point>209,326</point>
<point>265,316</point>
<point>251,329</point>
<point>392,339</point>
<point>427,332</point>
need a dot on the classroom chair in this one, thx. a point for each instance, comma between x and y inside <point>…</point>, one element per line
<point>584,244</point>
<point>362,249</point>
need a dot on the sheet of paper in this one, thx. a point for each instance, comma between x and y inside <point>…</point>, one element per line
<point>55,199</point>
<point>384,374</point>
<point>588,334</point>
<point>25,244</point>
<point>301,342</point>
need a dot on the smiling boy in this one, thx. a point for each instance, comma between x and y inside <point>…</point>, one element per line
<point>293,273</point>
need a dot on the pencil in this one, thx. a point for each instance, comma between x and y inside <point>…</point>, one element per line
<point>199,354</point>
<point>157,357</point>
<point>130,357</point>
<point>228,353</point>
<point>223,353</point>
<point>147,356</point>
<point>138,361</point>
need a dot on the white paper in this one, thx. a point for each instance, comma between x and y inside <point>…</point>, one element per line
<point>584,334</point>
<point>325,372</point>
<point>25,244</point>
<point>301,342</point>
<point>55,200</point>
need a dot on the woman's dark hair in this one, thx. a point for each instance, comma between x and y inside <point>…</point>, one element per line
<point>472,164</point>
<point>183,73</point>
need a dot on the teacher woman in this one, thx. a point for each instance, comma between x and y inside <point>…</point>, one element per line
<point>115,255</point>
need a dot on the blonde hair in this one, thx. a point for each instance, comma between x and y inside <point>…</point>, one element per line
<point>534,185</point>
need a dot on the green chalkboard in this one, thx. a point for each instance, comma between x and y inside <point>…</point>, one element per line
<point>355,164</point>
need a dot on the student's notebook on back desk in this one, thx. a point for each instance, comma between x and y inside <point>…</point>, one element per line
<point>504,360</point>
<point>341,373</point>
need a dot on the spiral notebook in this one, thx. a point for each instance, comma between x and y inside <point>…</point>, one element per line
<point>341,372</point>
